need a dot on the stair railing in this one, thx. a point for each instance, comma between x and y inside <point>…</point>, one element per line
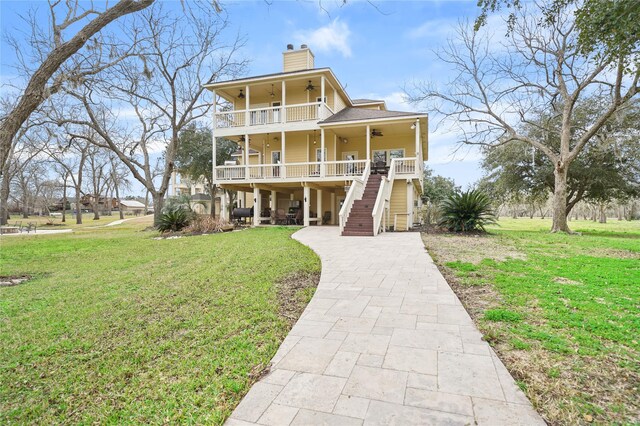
<point>356,191</point>
<point>383,198</point>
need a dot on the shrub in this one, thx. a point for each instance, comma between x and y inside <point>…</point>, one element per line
<point>173,220</point>
<point>467,211</point>
<point>206,224</point>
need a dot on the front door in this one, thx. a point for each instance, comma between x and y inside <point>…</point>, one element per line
<point>351,157</point>
<point>275,159</point>
<point>276,112</point>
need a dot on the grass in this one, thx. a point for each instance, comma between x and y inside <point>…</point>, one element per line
<point>116,327</point>
<point>87,220</point>
<point>561,310</point>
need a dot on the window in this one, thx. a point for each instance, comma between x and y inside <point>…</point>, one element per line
<point>380,156</point>
<point>396,153</point>
<point>318,152</point>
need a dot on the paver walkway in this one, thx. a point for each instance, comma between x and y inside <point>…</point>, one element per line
<point>383,341</point>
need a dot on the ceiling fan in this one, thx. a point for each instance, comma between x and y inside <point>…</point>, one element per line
<point>310,87</point>
<point>375,132</point>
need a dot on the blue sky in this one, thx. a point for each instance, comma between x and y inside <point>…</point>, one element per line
<point>375,49</point>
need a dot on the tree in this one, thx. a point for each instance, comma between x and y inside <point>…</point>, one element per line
<point>607,169</point>
<point>537,71</point>
<point>99,174</point>
<point>435,190</point>
<point>43,81</point>
<point>194,158</point>
<point>607,27</point>
<point>163,85</point>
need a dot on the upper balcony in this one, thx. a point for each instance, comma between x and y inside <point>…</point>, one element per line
<point>278,102</point>
<point>259,119</point>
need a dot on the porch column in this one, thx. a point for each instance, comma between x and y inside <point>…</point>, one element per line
<point>368,143</point>
<point>246,156</point>
<point>246,105</point>
<point>319,206</point>
<point>223,205</point>
<point>322,95</point>
<point>214,176</point>
<point>283,172</point>
<point>322,159</point>
<point>333,208</point>
<point>273,204</point>
<point>417,138</point>
<point>306,202</point>
<point>256,206</point>
<point>283,116</point>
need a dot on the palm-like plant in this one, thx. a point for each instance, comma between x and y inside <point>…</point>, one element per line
<point>174,220</point>
<point>467,211</point>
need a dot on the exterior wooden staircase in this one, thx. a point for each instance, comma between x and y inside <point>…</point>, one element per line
<point>360,220</point>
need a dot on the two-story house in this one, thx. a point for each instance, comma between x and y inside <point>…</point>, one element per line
<point>303,142</point>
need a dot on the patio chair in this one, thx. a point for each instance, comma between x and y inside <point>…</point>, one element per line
<point>299,217</point>
<point>326,217</point>
<point>281,217</point>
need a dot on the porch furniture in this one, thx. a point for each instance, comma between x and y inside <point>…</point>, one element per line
<point>379,167</point>
<point>326,218</point>
<point>31,226</point>
<point>9,230</point>
<point>299,217</point>
<point>241,213</point>
<point>281,217</point>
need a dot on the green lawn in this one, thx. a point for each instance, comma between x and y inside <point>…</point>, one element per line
<point>563,311</point>
<point>117,327</point>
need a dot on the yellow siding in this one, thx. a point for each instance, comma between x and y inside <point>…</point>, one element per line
<point>340,104</point>
<point>296,60</point>
<point>359,144</point>
<point>398,204</point>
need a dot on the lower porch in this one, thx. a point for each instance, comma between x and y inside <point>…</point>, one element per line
<point>301,204</point>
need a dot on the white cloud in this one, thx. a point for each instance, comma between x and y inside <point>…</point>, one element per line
<point>329,38</point>
<point>436,28</point>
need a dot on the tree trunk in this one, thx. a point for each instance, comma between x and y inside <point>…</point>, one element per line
<point>4,199</point>
<point>78,207</point>
<point>64,202</point>
<point>603,214</point>
<point>115,187</point>
<point>158,203</point>
<point>96,209</point>
<point>25,208</point>
<point>559,205</point>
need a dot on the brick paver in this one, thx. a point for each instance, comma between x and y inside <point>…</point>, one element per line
<point>383,341</point>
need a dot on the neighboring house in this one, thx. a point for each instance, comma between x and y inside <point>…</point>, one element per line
<point>200,200</point>
<point>87,201</point>
<point>302,141</point>
<point>132,206</point>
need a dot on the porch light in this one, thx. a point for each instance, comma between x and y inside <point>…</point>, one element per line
<point>314,138</point>
<point>241,95</point>
<point>310,87</point>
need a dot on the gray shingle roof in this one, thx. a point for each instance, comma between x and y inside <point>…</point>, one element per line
<point>357,114</point>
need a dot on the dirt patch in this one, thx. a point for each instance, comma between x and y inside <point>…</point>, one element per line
<point>563,280</point>
<point>12,280</point>
<point>470,248</point>
<point>293,294</point>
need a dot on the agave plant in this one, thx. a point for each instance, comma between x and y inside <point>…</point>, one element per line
<point>467,211</point>
<point>174,220</point>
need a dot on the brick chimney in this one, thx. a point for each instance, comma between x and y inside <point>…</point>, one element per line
<point>297,60</point>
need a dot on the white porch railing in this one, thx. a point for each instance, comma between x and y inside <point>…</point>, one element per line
<point>356,190</point>
<point>330,169</point>
<point>312,111</point>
